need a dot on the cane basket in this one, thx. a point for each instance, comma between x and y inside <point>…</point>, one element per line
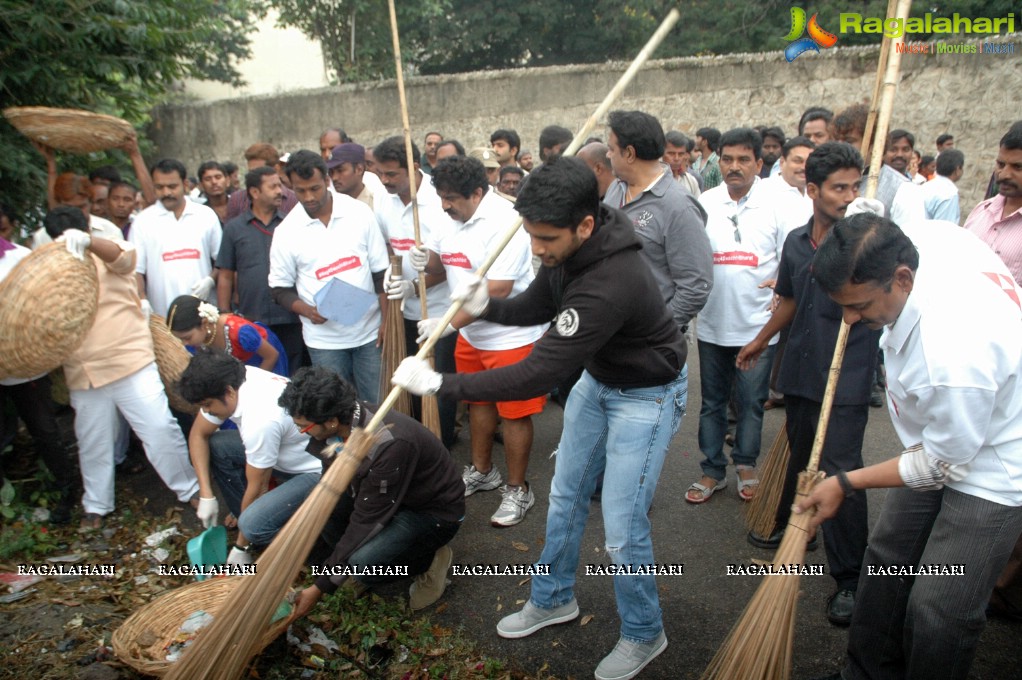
<point>48,304</point>
<point>141,640</point>
<point>171,359</point>
<point>70,129</point>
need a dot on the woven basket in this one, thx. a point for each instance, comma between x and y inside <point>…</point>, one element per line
<point>142,639</point>
<point>171,359</point>
<point>48,304</point>
<point>70,129</point>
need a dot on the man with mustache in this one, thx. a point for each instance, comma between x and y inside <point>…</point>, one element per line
<point>898,153</point>
<point>176,240</point>
<point>998,221</point>
<point>833,173</point>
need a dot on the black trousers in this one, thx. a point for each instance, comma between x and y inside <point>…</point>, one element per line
<point>35,407</point>
<point>290,336</point>
<point>443,360</point>
<point>845,534</point>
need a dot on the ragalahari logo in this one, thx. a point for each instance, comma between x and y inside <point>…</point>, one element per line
<point>816,39</point>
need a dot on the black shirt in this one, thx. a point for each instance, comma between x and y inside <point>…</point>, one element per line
<point>245,248</point>
<point>814,330</point>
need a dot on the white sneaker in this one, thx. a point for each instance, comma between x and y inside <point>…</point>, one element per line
<point>628,658</point>
<point>517,500</point>
<point>477,481</point>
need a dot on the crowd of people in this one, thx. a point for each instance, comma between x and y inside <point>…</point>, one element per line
<point>748,244</point>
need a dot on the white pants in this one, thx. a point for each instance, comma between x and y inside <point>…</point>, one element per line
<point>142,401</point>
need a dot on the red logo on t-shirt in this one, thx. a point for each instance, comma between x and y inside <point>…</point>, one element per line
<point>185,254</point>
<point>736,257</point>
<point>402,243</point>
<point>342,265</point>
<point>1007,285</point>
<point>456,260</point>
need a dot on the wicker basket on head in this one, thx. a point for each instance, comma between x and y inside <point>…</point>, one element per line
<point>171,359</point>
<point>48,303</point>
<point>142,639</point>
<point>70,129</point>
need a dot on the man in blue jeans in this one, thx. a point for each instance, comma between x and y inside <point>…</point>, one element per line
<point>269,446</point>
<point>619,419</point>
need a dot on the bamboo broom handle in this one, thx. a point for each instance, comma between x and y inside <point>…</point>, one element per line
<point>580,136</point>
<point>408,146</point>
<point>891,70</point>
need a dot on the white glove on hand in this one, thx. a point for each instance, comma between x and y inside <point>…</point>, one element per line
<point>147,309</point>
<point>208,511</point>
<point>76,241</point>
<point>865,205</point>
<point>427,326</point>
<point>203,287</point>
<point>397,287</point>
<point>418,257</point>
<point>475,295</point>
<point>417,377</point>
<point>237,556</point>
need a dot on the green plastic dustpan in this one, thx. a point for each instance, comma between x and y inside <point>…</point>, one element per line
<point>208,549</point>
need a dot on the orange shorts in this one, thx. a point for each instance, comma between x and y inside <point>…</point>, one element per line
<point>469,359</point>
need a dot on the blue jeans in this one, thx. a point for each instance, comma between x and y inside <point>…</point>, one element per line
<point>717,375</point>
<point>625,433</point>
<point>409,539</point>
<point>360,366</point>
<point>265,516</point>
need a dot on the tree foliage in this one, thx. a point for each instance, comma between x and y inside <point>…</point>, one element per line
<point>110,56</point>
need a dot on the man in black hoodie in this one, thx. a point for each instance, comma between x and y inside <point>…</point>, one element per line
<point>622,414</point>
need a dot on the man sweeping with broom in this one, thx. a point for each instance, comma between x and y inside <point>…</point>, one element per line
<point>619,418</point>
<point>952,341</point>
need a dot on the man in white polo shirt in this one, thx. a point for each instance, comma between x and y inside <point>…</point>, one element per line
<point>480,219</point>
<point>952,338</point>
<point>394,212</point>
<point>267,445</point>
<point>747,234</point>
<point>177,241</point>
<point>332,240</point>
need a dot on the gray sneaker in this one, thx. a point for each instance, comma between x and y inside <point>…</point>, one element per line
<point>532,618</point>
<point>517,500</point>
<point>628,658</point>
<point>477,481</point>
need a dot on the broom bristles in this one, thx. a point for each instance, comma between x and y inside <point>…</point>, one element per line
<point>761,512</point>
<point>759,646</point>
<point>223,650</point>
<point>394,347</point>
<point>431,411</point>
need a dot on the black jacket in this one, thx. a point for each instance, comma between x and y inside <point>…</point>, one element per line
<point>610,319</point>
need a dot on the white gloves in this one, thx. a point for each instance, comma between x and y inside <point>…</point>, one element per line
<point>208,511</point>
<point>396,287</point>
<point>418,257</point>
<point>238,556</point>
<point>865,205</point>
<point>415,376</point>
<point>203,287</point>
<point>76,241</point>
<point>147,309</point>
<point>475,295</point>
<point>427,326</point>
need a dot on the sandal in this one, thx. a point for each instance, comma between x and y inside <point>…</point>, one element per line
<point>746,487</point>
<point>705,491</point>
<point>231,522</point>
<point>90,522</point>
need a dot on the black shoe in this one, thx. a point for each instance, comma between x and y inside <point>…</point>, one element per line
<point>773,541</point>
<point>876,397</point>
<point>840,606</point>
<point>60,514</point>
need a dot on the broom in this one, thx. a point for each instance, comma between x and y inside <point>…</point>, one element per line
<point>223,649</point>
<point>430,408</point>
<point>760,644</point>
<point>394,345</point>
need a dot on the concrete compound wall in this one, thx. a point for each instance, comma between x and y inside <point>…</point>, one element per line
<point>975,97</point>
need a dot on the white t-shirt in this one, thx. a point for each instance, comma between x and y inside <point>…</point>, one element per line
<point>270,436</point>
<point>738,307</point>
<point>173,254</point>
<point>954,362</point>
<point>306,255</point>
<point>464,246</point>
<point>793,207</point>
<point>398,225</point>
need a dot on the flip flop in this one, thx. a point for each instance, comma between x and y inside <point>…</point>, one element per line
<point>706,491</point>
<point>746,487</point>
